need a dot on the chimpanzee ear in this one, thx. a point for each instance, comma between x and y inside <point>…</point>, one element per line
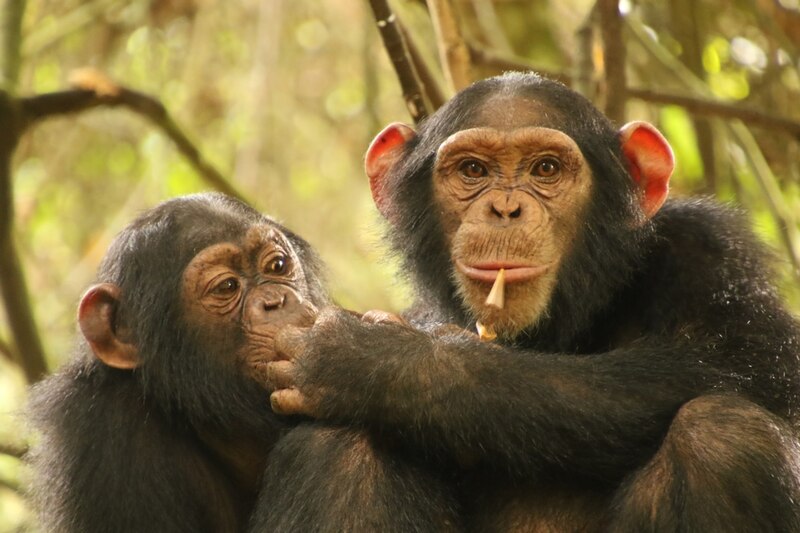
<point>384,151</point>
<point>96,318</point>
<point>650,161</point>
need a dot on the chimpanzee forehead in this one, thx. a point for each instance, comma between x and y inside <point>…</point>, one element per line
<point>510,111</point>
<point>500,141</point>
<point>260,234</point>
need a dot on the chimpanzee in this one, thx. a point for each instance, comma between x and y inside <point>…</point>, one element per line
<point>161,422</point>
<point>645,376</point>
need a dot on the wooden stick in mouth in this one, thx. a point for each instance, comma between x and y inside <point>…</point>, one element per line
<point>495,300</point>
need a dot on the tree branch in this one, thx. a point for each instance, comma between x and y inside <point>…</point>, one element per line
<point>433,92</point>
<point>502,62</point>
<point>715,108</point>
<point>7,352</point>
<point>95,90</point>
<point>700,106</point>
<point>453,51</point>
<point>11,12</point>
<point>13,450</point>
<point>410,84</point>
<point>613,59</point>
<point>13,287</point>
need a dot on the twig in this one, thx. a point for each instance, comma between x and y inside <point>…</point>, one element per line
<point>784,218</point>
<point>11,26</point>
<point>13,450</point>
<point>487,19</point>
<point>95,90</point>
<point>787,227</point>
<point>13,287</point>
<point>11,485</point>
<point>433,92</point>
<point>7,352</point>
<point>503,62</point>
<point>453,51</point>
<point>410,84</point>
<point>585,82</point>
<point>613,59</point>
<point>715,108</point>
<point>701,106</point>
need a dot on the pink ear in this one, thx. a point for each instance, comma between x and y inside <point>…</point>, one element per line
<point>650,162</point>
<point>384,151</point>
<point>96,320</point>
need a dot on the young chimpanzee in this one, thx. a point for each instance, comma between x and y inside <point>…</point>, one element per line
<point>646,375</point>
<point>161,422</point>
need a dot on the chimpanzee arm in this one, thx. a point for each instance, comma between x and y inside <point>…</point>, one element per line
<point>525,411</point>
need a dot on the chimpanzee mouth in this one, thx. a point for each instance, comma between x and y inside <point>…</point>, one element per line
<point>486,271</point>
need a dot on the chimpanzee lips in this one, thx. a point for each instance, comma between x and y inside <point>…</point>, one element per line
<point>486,271</point>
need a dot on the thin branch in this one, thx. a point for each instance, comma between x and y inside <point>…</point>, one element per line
<point>7,352</point>
<point>410,84</point>
<point>783,216</point>
<point>433,92</point>
<point>11,485</point>
<point>715,108</point>
<point>95,90</point>
<point>487,18</point>
<point>13,287</point>
<point>503,62</point>
<point>585,80</point>
<point>613,59</point>
<point>700,106</point>
<point>453,50</point>
<point>11,30</point>
<point>787,226</point>
<point>13,450</point>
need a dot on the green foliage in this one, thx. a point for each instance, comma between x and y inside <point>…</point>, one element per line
<point>277,95</point>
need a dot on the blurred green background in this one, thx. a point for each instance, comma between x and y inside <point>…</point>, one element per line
<point>283,96</point>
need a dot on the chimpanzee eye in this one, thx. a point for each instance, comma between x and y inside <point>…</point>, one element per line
<point>226,287</point>
<point>472,169</point>
<point>547,167</point>
<point>278,265</point>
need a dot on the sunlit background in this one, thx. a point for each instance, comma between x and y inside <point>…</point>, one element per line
<point>283,96</point>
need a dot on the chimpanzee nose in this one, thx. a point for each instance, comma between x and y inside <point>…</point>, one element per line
<point>271,303</point>
<point>506,207</point>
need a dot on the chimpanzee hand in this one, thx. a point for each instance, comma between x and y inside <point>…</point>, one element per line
<point>323,371</point>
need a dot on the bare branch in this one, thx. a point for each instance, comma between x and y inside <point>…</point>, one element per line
<point>11,12</point>
<point>13,287</point>
<point>613,59</point>
<point>504,62</point>
<point>7,352</point>
<point>410,84</point>
<point>433,92</point>
<point>453,51</point>
<point>11,485</point>
<point>14,450</point>
<point>699,106</point>
<point>715,108</point>
<point>585,77</point>
<point>95,90</point>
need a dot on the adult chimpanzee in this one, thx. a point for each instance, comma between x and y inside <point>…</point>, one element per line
<point>160,423</point>
<point>646,374</point>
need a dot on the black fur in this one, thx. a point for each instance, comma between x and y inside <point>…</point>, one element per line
<point>126,451</point>
<point>662,382</point>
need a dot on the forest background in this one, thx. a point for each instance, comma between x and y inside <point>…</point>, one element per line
<point>108,107</point>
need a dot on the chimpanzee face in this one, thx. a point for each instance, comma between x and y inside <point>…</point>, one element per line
<point>511,199</point>
<point>502,184</point>
<point>240,294</point>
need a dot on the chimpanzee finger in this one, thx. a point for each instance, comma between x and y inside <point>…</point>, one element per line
<point>280,375</point>
<point>289,402</point>
<point>376,316</point>
<point>289,342</point>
